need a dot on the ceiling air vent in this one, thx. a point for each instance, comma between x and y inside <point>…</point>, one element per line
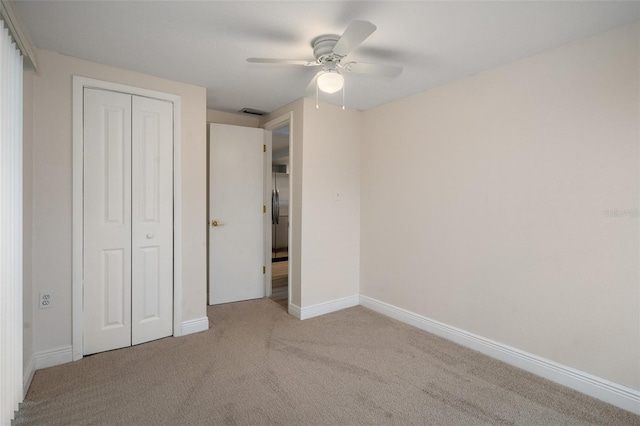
<point>252,111</point>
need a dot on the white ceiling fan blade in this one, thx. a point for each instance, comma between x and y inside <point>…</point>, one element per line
<point>282,61</point>
<point>356,33</point>
<point>377,70</point>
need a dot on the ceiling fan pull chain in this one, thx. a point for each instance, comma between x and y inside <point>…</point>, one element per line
<point>343,87</point>
<point>317,96</point>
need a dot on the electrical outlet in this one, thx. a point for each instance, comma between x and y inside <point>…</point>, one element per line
<point>46,301</point>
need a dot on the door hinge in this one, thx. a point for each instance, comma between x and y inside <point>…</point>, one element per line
<point>264,269</point>
<point>264,209</point>
<point>264,148</point>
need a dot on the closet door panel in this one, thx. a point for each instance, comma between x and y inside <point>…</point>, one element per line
<point>107,220</point>
<point>152,220</point>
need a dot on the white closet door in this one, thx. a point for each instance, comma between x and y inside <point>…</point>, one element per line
<point>107,220</point>
<point>152,218</point>
<point>128,220</point>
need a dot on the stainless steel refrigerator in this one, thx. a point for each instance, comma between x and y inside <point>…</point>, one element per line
<point>279,216</point>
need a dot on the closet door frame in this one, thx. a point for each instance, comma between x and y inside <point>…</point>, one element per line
<point>79,84</point>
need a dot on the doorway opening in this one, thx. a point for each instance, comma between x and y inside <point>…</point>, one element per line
<point>280,202</point>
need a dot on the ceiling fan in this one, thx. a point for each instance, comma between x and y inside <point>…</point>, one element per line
<point>330,51</point>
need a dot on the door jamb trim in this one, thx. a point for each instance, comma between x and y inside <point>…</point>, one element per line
<point>79,83</point>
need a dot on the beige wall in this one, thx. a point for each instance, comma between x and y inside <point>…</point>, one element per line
<point>330,228</point>
<point>484,205</point>
<point>52,189</point>
<point>221,117</point>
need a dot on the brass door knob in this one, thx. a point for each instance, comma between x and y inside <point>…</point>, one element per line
<point>214,223</point>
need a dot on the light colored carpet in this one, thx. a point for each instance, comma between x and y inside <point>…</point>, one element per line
<point>258,365</point>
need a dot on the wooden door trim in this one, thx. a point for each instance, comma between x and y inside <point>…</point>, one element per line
<point>79,83</point>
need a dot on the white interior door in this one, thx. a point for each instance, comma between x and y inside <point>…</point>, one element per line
<point>236,213</point>
<point>128,220</point>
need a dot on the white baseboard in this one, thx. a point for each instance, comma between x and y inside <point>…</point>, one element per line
<point>294,310</point>
<point>195,326</point>
<point>64,354</point>
<point>612,393</point>
<point>28,371</point>
<point>328,307</point>
<point>51,357</point>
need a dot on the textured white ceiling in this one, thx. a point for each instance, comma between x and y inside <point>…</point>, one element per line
<point>206,42</point>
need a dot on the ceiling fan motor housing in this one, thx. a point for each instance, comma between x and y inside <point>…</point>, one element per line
<point>323,48</point>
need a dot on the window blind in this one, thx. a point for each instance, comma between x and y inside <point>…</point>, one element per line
<point>11,391</point>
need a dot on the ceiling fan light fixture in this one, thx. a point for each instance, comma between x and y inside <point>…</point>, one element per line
<point>330,81</point>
